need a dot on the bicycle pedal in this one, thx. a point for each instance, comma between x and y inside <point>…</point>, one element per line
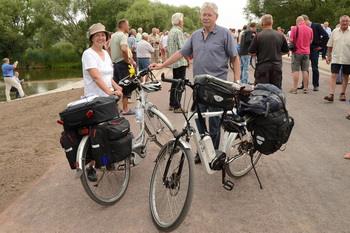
<point>228,185</point>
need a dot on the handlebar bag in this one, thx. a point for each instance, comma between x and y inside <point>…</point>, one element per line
<point>89,111</point>
<point>129,84</point>
<point>111,141</point>
<point>213,92</point>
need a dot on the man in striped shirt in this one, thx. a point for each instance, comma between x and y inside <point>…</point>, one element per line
<point>176,40</point>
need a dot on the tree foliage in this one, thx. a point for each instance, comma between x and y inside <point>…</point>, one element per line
<point>285,12</point>
<point>31,27</point>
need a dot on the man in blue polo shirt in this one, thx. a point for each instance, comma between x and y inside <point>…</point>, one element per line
<point>211,46</point>
<point>7,72</point>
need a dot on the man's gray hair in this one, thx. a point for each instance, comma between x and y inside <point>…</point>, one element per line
<point>305,17</point>
<point>210,5</point>
<point>5,60</point>
<point>176,18</point>
<point>139,30</point>
<point>344,16</point>
<point>132,31</point>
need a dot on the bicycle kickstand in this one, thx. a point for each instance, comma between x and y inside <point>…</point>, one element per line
<point>227,184</point>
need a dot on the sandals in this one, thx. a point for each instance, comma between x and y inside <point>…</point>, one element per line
<point>347,156</point>
<point>342,97</point>
<point>330,97</point>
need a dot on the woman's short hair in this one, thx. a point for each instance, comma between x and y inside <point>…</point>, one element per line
<point>176,18</point>
<point>210,5</point>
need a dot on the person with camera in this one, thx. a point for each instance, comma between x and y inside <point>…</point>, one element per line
<point>7,71</point>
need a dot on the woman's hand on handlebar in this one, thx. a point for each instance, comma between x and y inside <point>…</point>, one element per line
<point>117,92</point>
<point>155,66</point>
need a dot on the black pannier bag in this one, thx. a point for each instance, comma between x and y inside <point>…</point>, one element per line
<point>213,92</point>
<point>111,141</point>
<point>70,142</point>
<point>264,99</point>
<point>89,111</point>
<point>270,132</point>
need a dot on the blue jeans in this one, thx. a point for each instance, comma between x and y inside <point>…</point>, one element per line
<point>143,63</point>
<point>244,59</point>
<point>214,125</point>
<point>314,64</point>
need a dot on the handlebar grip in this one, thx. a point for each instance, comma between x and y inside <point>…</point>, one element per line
<point>168,80</point>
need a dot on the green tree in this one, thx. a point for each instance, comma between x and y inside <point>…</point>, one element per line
<point>15,27</point>
<point>285,12</point>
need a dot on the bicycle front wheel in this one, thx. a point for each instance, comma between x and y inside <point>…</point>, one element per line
<point>112,180</point>
<point>157,128</point>
<point>172,186</point>
<point>241,155</point>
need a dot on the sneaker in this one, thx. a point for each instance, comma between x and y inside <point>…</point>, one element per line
<point>293,91</point>
<point>301,87</point>
<point>305,91</point>
<point>130,112</point>
<point>315,88</point>
<point>91,174</point>
<point>171,108</point>
<point>330,97</point>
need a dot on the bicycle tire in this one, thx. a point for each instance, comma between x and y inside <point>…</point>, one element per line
<point>238,161</point>
<point>157,128</point>
<point>170,205</point>
<point>112,180</point>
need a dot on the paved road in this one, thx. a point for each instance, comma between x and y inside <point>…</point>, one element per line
<point>306,187</point>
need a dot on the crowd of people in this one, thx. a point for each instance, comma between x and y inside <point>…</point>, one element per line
<point>111,55</point>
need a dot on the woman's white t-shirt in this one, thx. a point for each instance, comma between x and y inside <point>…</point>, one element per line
<point>90,60</point>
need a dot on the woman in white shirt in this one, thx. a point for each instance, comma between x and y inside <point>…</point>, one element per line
<point>97,65</point>
<point>98,73</point>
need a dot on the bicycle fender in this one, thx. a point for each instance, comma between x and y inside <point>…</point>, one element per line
<point>80,156</point>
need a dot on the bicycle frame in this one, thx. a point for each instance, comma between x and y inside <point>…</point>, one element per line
<point>141,139</point>
<point>227,137</point>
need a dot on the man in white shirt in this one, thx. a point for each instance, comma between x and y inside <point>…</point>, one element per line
<point>329,32</point>
<point>339,57</point>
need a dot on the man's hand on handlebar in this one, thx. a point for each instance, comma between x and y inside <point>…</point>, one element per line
<point>155,66</point>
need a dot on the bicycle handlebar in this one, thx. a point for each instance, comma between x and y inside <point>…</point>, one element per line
<point>168,80</point>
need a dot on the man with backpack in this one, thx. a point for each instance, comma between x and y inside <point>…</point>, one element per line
<point>246,39</point>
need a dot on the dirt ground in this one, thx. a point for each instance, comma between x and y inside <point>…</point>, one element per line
<point>29,141</point>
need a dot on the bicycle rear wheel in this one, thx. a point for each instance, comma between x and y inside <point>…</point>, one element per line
<point>112,180</point>
<point>171,195</point>
<point>157,128</point>
<point>239,155</point>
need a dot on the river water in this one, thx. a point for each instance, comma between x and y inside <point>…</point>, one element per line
<point>43,80</point>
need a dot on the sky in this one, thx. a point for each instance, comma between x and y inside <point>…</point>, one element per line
<point>230,12</point>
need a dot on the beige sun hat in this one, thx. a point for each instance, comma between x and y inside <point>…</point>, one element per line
<point>95,28</point>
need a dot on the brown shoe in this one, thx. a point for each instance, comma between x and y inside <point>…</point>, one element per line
<point>179,110</point>
<point>342,97</point>
<point>293,91</point>
<point>171,108</point>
